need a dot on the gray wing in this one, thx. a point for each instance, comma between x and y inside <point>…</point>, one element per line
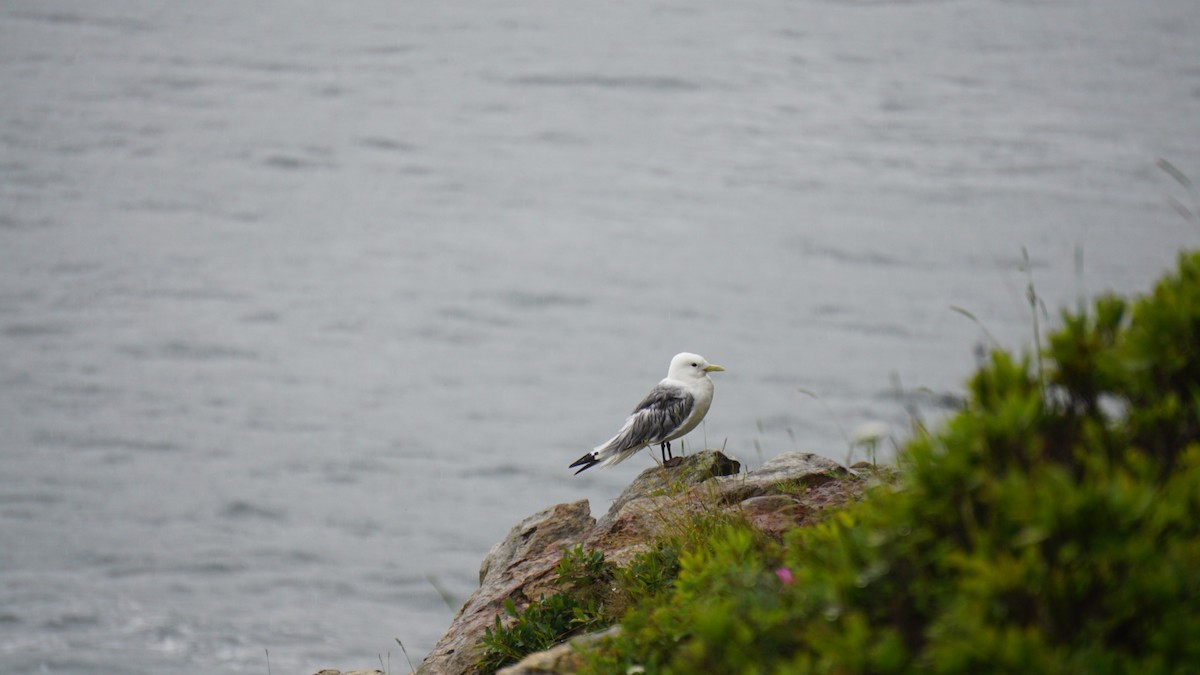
<point>658,415</point>
<point>653,421</point>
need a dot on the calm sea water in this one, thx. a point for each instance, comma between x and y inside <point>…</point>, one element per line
<point>303,304</point>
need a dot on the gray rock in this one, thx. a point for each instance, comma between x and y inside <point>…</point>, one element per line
<point>774,514</point>
<point>519,567</point>
<point>659,481</point>
<point>532,536</point>
<point>791,471</point>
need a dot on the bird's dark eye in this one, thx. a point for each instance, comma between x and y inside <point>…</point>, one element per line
<point>695,364</point>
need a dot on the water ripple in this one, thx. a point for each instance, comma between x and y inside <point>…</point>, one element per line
<point>35,330</point>
<point>180,350</point>
<point>652,83</point>
<point>63,18</point>
<point>243,510</point>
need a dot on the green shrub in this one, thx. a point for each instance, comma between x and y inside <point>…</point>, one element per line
<point>650,573</point>
<point>592,595</point>
<point>584,577</point>
<point>1051,526</point>
<point>544,623</point>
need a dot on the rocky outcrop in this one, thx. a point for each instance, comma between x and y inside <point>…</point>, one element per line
<point>787,491</point>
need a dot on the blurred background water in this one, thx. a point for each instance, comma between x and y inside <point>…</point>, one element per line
<point>304,304</point>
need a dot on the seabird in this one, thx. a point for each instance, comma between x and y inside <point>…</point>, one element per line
<point>672,408</point>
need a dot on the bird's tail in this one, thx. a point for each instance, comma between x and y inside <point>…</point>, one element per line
<point>586,462</point>
<point>612,451</point>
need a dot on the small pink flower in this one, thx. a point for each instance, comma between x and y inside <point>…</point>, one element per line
<point>785,576</point>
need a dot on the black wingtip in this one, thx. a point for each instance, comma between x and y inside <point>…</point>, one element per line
<point>587,462</point>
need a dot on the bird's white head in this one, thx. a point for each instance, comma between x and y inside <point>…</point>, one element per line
<point>688,366</point>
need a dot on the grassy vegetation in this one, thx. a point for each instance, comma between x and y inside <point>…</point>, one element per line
<point>1051,526</point>
<point>593,594</point>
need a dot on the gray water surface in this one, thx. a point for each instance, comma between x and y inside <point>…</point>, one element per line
<point>304,304</point>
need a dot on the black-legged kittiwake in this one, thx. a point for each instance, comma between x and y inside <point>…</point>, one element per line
<point>672,408</point>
